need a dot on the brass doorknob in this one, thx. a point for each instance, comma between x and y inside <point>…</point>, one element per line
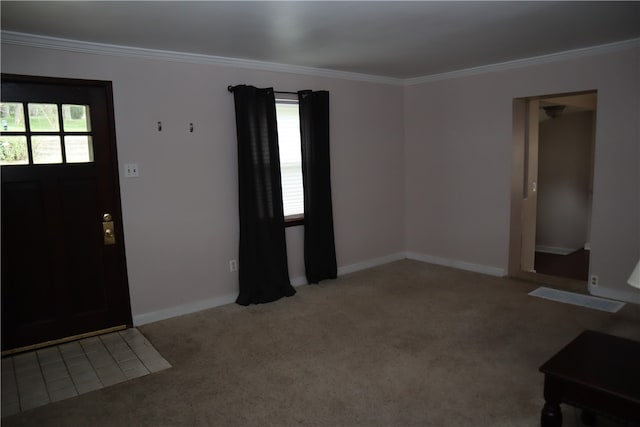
<point>108,233</point>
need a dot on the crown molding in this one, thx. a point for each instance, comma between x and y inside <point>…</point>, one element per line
<point>46,42</point>
<point>31,40</point>
<point>527,62</point>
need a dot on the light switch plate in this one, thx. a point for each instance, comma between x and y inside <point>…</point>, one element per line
<point>131,170</point>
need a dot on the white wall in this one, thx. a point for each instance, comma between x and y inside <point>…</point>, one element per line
<point>458,145</point>
<point>423,171</point>
<point>180,215</point>
<point>564,163</point>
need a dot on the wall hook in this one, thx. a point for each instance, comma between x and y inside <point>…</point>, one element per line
<point>191,127</point>
<point>159,126</point>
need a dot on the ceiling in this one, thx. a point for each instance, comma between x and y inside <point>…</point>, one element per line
<point>390,39</point>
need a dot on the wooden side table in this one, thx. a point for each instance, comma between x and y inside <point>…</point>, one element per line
<point>596,372</point>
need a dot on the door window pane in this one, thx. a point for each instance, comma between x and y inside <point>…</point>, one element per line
<point>43,118</point>
<point>46,149</point>
<point>13,150</point>
<point>78,149</point>
<point>75,118</point>
<point>12,116</point>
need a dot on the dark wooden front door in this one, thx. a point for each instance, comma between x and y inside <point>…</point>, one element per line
<point>63,261</point>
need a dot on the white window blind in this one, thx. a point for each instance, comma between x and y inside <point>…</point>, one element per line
<point>290,157</point>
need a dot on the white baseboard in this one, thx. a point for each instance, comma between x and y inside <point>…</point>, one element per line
<point>180,310</point>
<point>615,294</point>
<point>352,268</point>
<point>554,250</point>
<point>462,265</point>
<point>155,316</point>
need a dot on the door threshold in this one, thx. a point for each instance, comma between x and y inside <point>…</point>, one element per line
<point>62,340</point>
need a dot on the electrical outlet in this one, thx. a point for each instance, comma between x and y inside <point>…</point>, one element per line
<point>233,265</point>
<point>594,280</point>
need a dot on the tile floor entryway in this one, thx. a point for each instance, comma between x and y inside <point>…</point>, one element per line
<point>55,373</point>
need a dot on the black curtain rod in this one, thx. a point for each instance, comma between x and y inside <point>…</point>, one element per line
<point>231,88</point>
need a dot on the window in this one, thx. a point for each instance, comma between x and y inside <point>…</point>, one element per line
<point>290,160</point>
<point>47,134</point>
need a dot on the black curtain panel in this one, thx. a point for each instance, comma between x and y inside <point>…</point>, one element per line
<point>264,274</point>
<point>319,244</point>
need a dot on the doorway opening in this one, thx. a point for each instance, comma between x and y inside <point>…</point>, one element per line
<point>552,187</point>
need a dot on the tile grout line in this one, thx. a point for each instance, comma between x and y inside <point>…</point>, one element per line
<point>66,366</point>
<point>15,381</point>
<point>15,378</point>
<point>119,363</point>
<point>102,351</point>
<point>44,380</point>
<point>68,371</point>
<point>93,368</point>
<point>136,353</point>
<point>114,357</point>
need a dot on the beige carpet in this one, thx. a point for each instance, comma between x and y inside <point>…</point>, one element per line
<point>405,344</point>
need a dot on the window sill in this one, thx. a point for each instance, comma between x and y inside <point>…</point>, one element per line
<point>293,220</point>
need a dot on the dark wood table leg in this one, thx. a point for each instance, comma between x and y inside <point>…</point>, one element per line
<point>551,415</point>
